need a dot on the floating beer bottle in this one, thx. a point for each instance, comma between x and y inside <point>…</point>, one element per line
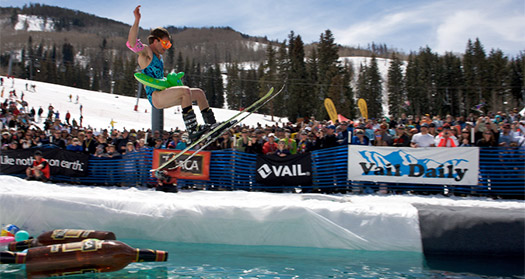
<point>89,255</point>
<point>60,237</point>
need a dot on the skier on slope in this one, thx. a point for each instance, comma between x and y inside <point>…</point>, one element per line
<point>151,64</point>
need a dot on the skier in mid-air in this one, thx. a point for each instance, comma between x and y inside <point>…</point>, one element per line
<point>151,64</point>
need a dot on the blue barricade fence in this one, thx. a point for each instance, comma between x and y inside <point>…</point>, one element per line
<point>502,173</point>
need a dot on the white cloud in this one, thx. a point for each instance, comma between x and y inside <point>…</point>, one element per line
<point>443,26</point>
<point>494,29</point>
<point>376,28</point>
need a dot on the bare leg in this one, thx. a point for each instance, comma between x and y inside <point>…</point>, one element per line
<point>173,96</point>
<point>198,95</point>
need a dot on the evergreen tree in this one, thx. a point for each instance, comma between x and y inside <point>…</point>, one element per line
<point>68,54</point>
<point>268,75</point>
<point>499,80</point>
<point>475,70</point>
<point>431,99</point>
<point>312,71</point>
<point>179,67</point>
<point>328,60</point>
<point>188,78</point>
<point>250,88</point>
<point>329,68</point>
<point>347,103</point>
<point>516,80</point>
<point>279,104</point>
<point>375,90</point>
<point>395,92</point>
<point>213,86</point>
<point>299,94</point>
<point>170,59</point>
<point>362,83</point>
<point>411,82</point>
<point>451,84</point>
<point>218,87</point>
<point>233,87</point>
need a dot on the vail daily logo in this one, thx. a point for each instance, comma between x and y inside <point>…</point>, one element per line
<point>281,171</point>
<point>400,163</point>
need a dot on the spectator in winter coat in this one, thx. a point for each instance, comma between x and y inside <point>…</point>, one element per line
<point>243,141</point>
<point>304,145</point>
<point>176,142</point>
<point>282,148</point>
<point>488,140</point>
<point>328,138</point>
<point>401,139</point>
<point>360,138</point>
<point>40,169</point>
<point>255,145</point>
<point>270,147</point>
<point>446,138</point>
<point>90,143</point>
<point>75,145</point>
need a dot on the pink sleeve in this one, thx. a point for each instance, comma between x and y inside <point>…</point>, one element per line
<point>138,46</point>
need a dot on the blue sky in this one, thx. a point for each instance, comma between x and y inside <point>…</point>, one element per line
<point>406,25</point>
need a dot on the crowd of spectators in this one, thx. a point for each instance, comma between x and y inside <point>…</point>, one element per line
<point>19,131</point>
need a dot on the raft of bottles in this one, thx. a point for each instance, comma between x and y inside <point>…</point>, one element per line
<point>68,252</point>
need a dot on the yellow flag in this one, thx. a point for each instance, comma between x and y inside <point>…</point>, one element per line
<point>330,108</point>
<point>361,103</point>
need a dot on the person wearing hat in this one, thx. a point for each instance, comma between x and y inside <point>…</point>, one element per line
<point>290,142</point>
<point>360,138</point>
<point>423,138</point>
<point>40,169</point>
<point>506,136</point>
<point>111,152</point>
<point>6,138</point>
<point>305,144</point>
<point>446,138</point>
<point>270,146</point>
<point>176,142</point>
<point>401,139</point>
<point>282,148</point>
<point>243,142</point>
<point>328,139</point>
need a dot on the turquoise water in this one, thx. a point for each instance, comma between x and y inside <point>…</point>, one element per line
<point>230,261</point>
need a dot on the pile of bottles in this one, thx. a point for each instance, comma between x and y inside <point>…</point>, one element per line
<point>68,252</point>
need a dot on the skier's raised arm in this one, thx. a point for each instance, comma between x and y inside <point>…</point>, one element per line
<point>133,43</point>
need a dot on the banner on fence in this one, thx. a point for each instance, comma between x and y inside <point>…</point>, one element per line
<point>437,165</point>
<point>292,170</point>
<point>197,168</point>
<point>61,162</point>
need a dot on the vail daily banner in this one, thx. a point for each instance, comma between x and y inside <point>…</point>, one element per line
<point>292,170</point>
<point>435,165</point>
<point>61,162</point>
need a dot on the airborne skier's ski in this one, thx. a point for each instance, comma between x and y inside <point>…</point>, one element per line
<point>215,133</point>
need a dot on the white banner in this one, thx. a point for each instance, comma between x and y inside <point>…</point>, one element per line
<point>433,165</point>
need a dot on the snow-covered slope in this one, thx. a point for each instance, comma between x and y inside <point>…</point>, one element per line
<point>99,108</point>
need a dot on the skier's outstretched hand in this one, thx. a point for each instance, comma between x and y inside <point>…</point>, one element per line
<point>136,12</point>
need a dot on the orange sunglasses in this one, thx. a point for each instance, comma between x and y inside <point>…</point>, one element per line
<point>165,43</point>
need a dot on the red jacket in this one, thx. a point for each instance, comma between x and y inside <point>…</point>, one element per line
<point>45,170</point>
